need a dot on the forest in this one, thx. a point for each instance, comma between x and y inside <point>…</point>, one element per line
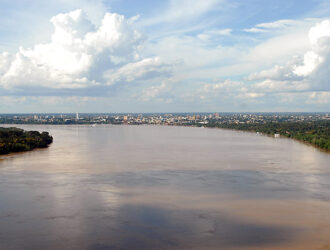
<point>316,133</point>
<point>18,140</point>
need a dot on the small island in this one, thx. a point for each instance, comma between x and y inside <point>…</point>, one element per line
<point>18,140</point>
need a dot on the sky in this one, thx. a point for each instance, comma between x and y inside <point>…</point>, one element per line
<point>63,56</point>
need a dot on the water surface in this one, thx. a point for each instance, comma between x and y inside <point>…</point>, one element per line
<point>153,187</point>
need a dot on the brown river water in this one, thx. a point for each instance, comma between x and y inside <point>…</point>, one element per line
<point>156,187</point>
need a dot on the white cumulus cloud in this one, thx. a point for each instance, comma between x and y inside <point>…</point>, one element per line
<point>310,71</point>
<point>80,55</point>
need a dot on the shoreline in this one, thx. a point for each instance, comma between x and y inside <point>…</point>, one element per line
<point>281,137</point>
<point>170,125</point>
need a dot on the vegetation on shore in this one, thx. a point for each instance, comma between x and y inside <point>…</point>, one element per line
<point>18,140</point>
<point>316,133</point>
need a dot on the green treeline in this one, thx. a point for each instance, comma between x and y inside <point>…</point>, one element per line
<point>17,140</point>
<point>316,133</point>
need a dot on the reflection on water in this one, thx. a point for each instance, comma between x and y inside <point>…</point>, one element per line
<point>150,187</point>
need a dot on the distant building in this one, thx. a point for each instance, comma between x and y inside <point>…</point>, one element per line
<point>77,116</point>
<point>192,118</point>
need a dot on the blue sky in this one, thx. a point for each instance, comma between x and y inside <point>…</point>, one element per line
<point>164,56</point>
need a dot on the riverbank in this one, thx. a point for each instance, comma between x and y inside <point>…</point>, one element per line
<point>316,134</point>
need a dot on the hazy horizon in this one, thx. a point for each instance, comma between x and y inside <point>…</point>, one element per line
<point>176,112</point>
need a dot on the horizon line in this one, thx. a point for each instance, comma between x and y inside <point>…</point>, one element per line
<point>183,112</point>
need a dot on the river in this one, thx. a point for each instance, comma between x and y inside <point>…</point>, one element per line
<point>157,187</point>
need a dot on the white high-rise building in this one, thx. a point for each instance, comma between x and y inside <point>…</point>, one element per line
<point>77,116</point>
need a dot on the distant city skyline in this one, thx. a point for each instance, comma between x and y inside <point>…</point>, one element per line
<point>120,56</point>
<point>163,118</point>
